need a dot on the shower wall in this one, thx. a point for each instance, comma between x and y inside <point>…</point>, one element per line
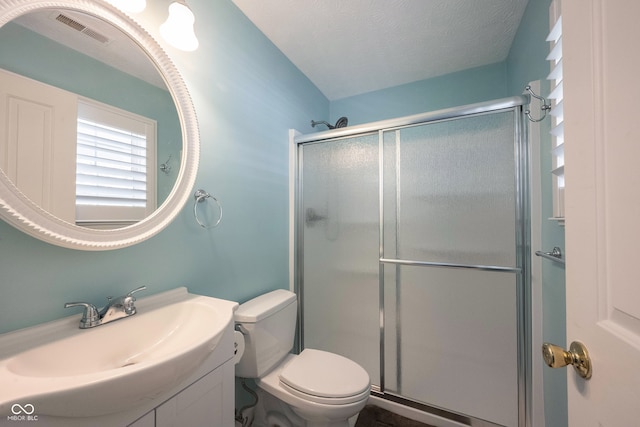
<point>410,260</point>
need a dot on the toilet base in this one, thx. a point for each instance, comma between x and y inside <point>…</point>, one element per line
<point>272,412</point>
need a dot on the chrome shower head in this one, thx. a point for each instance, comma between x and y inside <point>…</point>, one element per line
<point>342,122</point>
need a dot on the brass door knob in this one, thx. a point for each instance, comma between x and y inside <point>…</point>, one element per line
<point>578,356</point>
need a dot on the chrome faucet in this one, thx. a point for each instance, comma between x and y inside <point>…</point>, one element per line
<point>115,309</point>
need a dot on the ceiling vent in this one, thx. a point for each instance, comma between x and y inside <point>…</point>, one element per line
<point>72,23</point>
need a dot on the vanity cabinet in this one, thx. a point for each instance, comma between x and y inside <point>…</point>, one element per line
<point>148,420</point>
<point>205,398</point>
<point>209,401</point>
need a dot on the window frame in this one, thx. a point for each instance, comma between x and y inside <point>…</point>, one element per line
<point>109,217</point>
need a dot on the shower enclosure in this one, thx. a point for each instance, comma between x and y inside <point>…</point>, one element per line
<point>412,257</point>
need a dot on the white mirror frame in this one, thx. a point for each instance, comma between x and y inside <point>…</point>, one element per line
<point>22,213</point>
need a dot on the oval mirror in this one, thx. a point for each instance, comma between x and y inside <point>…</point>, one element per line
<point>172,122</point>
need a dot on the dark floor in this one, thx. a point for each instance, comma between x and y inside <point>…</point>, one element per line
<point>373,416</point>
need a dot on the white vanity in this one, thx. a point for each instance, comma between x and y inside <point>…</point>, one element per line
<point>209,401</point>
<point>170,364</point>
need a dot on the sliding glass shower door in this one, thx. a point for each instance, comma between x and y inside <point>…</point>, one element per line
<point>339,219</point>
<point>449,262</point>
<point>411,260</point>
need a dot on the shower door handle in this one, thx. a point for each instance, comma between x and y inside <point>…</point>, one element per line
<point>578,356</point>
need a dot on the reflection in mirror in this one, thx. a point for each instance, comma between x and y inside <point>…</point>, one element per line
<point>20,211</point>
<point>78,60</point>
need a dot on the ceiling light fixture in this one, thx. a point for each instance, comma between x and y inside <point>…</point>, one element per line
<point>178,30</point>
<point>133,6</point>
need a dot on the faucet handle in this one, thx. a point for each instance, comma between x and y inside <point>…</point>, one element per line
<point>90,316</point>
<point>141,288</point>
<point>129,299</point>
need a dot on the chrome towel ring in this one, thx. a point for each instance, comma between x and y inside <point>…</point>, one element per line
<point>200,196</point>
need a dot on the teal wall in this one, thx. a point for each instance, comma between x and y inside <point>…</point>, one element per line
<point>464,87</point>
<point>527,62</point>
<point>247,95</point>
<point>26,53</point>
<point>527,57</point>
<point>553,298</point>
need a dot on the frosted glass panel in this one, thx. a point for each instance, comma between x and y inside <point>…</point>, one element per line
<point>341,216</point>
<point>453,339</point>
<point>450,191</point>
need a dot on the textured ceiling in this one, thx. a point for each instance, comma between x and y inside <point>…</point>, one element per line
<point>349,47</point>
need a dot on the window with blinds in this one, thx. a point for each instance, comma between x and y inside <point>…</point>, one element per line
<point>115,173</point>
<point>557,113</point>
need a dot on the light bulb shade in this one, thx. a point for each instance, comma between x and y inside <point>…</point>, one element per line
<point>177,30</point>
<point>133,6</point>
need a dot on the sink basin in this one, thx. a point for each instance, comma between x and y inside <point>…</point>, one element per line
<point>69,372</point>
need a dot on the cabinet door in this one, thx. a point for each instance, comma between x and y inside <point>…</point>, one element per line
<point>148,420</point>
<point>208,402</point>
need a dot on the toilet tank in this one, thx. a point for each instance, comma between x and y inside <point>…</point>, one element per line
<point>268,323</point>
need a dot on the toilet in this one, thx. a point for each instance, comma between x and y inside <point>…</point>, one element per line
<point>314,388</point>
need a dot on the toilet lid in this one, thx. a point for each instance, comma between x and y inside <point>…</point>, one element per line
<point>323,374</point>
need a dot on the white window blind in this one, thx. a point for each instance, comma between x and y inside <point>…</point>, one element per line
<point>557,112</point>
<point>115,179</point>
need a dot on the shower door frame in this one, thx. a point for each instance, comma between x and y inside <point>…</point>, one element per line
<point>522,245</point>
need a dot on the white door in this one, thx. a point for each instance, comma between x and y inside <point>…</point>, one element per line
<point>601,50</point>
<point>38,142</point>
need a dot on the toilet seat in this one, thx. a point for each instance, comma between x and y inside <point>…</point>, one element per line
<point>324,377</point>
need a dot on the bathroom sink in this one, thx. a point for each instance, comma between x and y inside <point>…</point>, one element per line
<point>65,371</point>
